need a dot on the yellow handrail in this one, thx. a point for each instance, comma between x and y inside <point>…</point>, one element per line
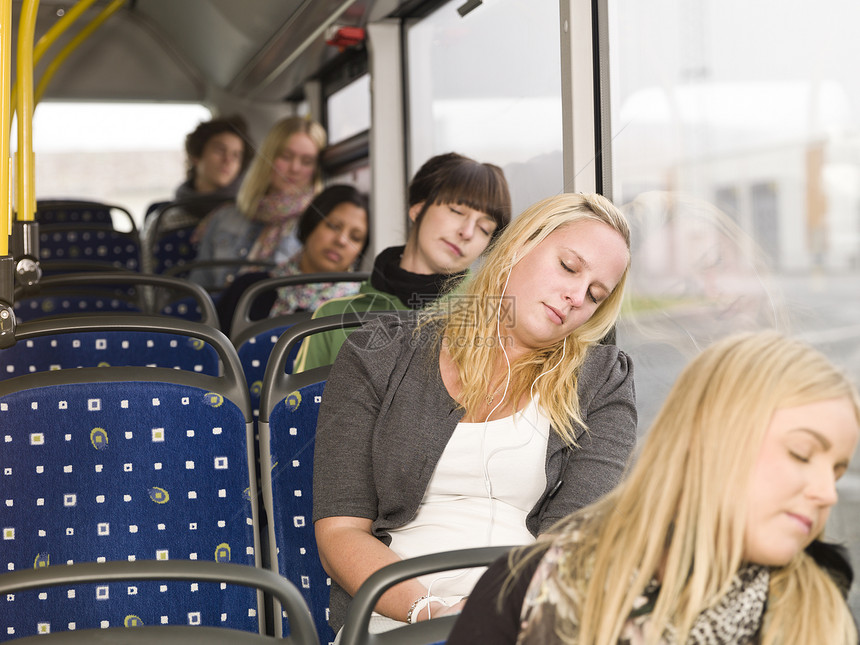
<point>25,167</point>
<point>73,44</point>
<point>5,112</point>
<point>50,37</point>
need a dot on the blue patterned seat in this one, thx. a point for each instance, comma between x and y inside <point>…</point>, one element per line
<point>241,320</point>
<point>185,308</point>
<point>254,339</point>
<point>123,463</point>
<point>254,345</point>
<point>173,249</point>
<point>114,291</point>
<point>304,632</point>
<point>57,305</point>
<point>90,243</point>
<point>289,405</point>
<point>168,228</point>
<point>65,212</point>
<point>99,341</point>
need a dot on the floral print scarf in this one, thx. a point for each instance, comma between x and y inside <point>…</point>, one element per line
<point>279,213</point>
<point>306,297</point>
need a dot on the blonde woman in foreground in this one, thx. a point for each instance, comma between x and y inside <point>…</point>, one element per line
<point>713,537</point>
<point>466,426</point>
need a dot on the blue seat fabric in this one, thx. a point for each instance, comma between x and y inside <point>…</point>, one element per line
<point>117,348</point>
<point>185,308</point>
<point>124,471</point>
<point>40,306</point>
<point>115,248</point>
<point>70,213</point>
<point>293,429</point>
<point>254,354</point>
<point>173,249</point>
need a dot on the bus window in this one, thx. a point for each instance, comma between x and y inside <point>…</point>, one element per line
<point>122,153</point>
<point>348,110</point>
<point>739,166</point>
<point>507,112</point>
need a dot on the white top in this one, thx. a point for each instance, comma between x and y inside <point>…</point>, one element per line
<point>489,477</point>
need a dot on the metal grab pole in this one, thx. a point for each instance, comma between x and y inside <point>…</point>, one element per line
<point>5,112</point>
<point>73,44</point>
<point>7,262</point>
<point>25,167</point>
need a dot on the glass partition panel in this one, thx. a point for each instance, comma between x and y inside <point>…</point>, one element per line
<point>476,89</point>
<point>348,110</point>
<point>736,153</point>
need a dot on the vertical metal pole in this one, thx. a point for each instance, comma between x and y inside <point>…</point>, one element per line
<point>5,112</point>
<point>7,262</point>
<point>26,171</point>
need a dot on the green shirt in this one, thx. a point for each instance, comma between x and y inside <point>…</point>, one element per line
<point>321,349</point>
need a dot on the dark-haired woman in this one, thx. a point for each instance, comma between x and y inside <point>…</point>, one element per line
<point>457,206</point>
<point>333,232</point>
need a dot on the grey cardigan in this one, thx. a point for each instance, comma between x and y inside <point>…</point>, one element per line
<point>386,417</point>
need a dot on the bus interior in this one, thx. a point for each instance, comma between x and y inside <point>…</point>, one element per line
<point>727,132</point>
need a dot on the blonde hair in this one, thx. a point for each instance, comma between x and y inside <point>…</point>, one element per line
<point>258,178</point>
<point>682,508</point>
<point>474,354</point>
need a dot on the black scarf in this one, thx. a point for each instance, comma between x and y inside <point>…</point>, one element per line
<point>415,290</point>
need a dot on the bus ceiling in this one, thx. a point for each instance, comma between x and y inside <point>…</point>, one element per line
<point>208,51</point>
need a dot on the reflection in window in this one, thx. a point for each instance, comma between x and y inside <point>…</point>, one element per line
<point>507,112</point>
<point>740,170</point>
<point>765,218</point>
<point>726,199</point>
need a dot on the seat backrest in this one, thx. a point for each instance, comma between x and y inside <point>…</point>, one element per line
<point>355,628</point>
<point>289,405</point>
<point>185,269</point>
<point>168,229</point>
<point>78,576</point>
<point>241,316</point>
<point>90,243</point>
<point>102,291</point>
<point>123,463</point>
<point>67,302</point>
<point>51,344</point>
<point>254,345</point>
<point>65,212</point>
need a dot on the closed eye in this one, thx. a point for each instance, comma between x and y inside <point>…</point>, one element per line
<point>799,457</point>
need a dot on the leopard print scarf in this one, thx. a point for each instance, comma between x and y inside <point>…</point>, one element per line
<point>735,620</point>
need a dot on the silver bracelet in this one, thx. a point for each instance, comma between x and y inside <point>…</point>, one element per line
<point>420,604</point>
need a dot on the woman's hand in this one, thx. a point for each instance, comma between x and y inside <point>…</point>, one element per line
<point>350,553</point>
<point>437,610</point>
